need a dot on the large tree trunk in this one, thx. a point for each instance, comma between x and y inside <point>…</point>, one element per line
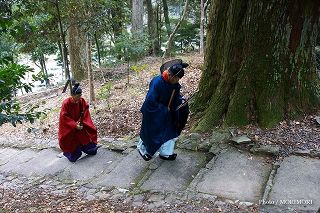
<point>137,17</point>
<point>259,63</point>
<point>77,44</point>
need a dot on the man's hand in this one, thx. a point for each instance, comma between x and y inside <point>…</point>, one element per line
<point>79,127</point>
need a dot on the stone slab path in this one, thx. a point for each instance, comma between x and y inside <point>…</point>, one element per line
<point>230,174</point>
<point>235,175</point>
<point>297,183</point>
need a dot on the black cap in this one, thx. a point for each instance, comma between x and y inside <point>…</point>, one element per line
<point>76,89</point>
<point>175,66</point>
<point>177,70</point>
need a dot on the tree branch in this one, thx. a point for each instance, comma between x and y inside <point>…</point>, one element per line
<point>170,40</point>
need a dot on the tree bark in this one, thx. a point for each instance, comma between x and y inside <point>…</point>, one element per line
<point>171,37</point>
<point>259,63</point>
<point>77,54</point>
<point>137,17</point>
<point>77,41</point>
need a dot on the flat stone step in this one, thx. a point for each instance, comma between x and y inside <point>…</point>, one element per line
<point>45,163</point>
<point>7,153</point>
<point>177,174</point>
<point>125,173</point>
<point>2,150</point>
<point>15,159</point>
<point>234,175</point>
<point>297,184</point>
<point>90,166</point>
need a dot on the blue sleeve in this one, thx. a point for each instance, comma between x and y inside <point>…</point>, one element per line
<point>152,102</point>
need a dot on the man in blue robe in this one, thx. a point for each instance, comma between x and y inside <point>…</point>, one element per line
<point>162,120</point>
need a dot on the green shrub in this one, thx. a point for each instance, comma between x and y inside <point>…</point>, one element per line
<point>105,91</point>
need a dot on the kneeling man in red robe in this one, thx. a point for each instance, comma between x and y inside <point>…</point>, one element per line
<point>77,132</point>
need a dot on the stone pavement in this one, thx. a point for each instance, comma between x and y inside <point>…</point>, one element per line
<point>225,173</point>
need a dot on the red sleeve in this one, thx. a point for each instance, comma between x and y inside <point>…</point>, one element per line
<point>67,127</point>
<point>88,125</point>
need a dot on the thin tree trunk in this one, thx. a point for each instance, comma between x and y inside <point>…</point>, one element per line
<point>158,18</point>
<point>64,49</point>
<point>151,28</point>
<point>171,38</point>
<point>90,73</point>
<point>99,57</point>
<point>166,17</point>
<point>201,26</point>
<point>42,71</point>
<point>63,74</point>
<point>98,49</point>
<point>128,72</point>
<point>45,71</point>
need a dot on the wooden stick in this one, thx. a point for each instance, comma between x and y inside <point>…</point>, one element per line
<point>81,119</point>
<point>171,98</point>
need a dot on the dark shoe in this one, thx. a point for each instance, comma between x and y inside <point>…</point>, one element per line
<point>145,157</point>
<point>170,157</point>
<point>73,157</point>
<point>90,148</point>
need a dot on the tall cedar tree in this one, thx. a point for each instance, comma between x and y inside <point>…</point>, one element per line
<point>259,63</point>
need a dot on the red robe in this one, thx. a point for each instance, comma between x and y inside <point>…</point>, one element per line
<point>69,137</point>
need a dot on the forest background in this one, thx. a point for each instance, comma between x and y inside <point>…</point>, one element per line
<point>114,48</point>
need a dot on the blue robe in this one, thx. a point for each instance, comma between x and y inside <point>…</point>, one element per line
<point>159,124</point>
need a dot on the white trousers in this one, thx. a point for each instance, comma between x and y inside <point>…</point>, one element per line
<point>165,150</point>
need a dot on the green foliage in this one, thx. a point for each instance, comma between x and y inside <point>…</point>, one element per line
<point>132,48</point>
<point>104,91</point>
<point>10,112</point>
<point>12,75</point>
<point>138,68</point>
<point>187,36</point>
<point>8,47</point>
<point>42,77</point>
